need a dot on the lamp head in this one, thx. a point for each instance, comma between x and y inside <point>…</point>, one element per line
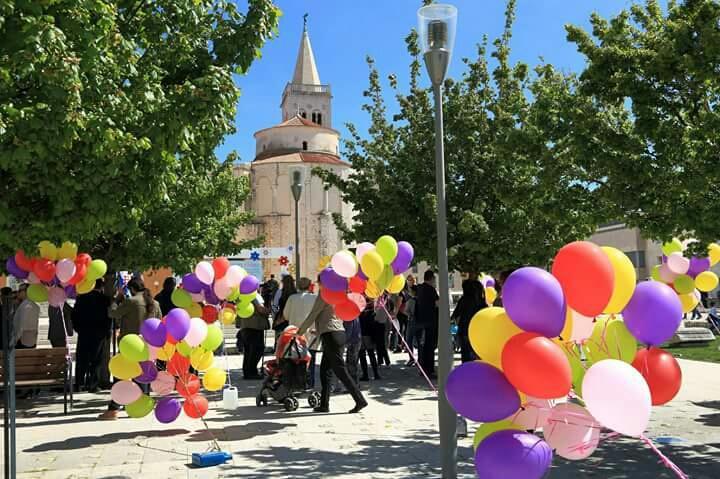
<point>436,29</point>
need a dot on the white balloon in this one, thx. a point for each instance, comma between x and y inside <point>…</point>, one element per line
<point>582,327</point>
<point>617,395</point>
<point>572,431</point>
<point>205,272</point>
<point>678,264</point>
<point>363,248</point>
<point>197,333</point>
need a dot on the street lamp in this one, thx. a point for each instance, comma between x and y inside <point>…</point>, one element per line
<point>436,27</point>
<point>296,192</point>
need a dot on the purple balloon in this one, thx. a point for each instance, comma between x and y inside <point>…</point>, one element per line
<point>697,266</point>
<point>533,299</point>
<point>14,269</point>
<point>249,284</point>
<point>177,323</point>
<point>404,257</point>
<point>70,291</point>
<point>333,281</point>
<point>210,296</point>
<point>191,283</point>
<point>167,410</point>
<point>512,454</point>
<point>481,392</point>
<point>154,332</point>
<point>149,372</point>
<point>490,283</point>
<point>654,313</point>
<point>361,274</point>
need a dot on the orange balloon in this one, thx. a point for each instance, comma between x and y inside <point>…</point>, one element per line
<point>536,366</point>
<point>187,385</point>
<point>586,276</point>
<point>195,406</point>
<point>347,310</point>
<point>333,297</point>
<point>178,365</point>
<point>662,373</point>
<point>357,285</point>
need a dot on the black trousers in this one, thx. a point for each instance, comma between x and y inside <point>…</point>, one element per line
<point>466,351</point>
<point>364,354</point>
<point>253,348</point>
<point>89,356</point>
<point>428,347</point>
<point>333,362</point>
<point>379,337</point>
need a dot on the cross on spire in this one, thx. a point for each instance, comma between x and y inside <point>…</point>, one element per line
<point>305,17</point>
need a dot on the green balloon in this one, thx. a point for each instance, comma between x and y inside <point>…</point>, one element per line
<point>133,347</point>
<point>387,248</point>
<point>245,310</point>
<point>674,246</point>
<point>655,273</point>
<point>684,284</point>
<point>246,298</point>
<point>183,348</point>
<point>490,427</point>
<point>611,339</point>
<point>577,369</point>
<point>141,407</point>
<point>37,293</point>
<point>96,269</point>
<point>181,298</point>
<point>234,294</point>
<point>214,338</point>
<point>385,278</point>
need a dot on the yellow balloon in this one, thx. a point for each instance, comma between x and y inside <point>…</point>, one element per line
<point>195,310</point>
<point>397,284</point>
<point>165,352</point>
<point>227,316</point>
<point>625,279</point>
<point>706,281</point>
<point>85,286</point>
<point>490,427</point>
<point>122,368</point>
<point>490,329</point>
<point>48,250</point>
<point>714,253</point>
<point>688,301</point>
<point>214,379</point>
<point>566,332</point>
<point>372,290</point>
<point>490,295</point>
<point>201,359</point>
<point>68,250</point>
<point>372,265</point>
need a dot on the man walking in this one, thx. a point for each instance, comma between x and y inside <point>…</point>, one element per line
<point>426,322</point>
<point>93,325</point>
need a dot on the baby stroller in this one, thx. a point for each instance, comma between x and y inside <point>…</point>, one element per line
<point>285,375</point>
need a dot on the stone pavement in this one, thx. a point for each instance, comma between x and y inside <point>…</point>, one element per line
<point>395,437</point>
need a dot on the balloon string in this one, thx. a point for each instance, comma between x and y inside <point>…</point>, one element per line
<point>663,458</point>
<point>381,302</point>
<point>213,439</point>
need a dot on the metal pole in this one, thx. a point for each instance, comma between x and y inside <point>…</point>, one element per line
<point>297,238</point>
<point>8,347</point>
<point>446,414</point>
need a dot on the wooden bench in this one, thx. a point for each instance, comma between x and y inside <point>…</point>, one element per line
<point>42,368</point>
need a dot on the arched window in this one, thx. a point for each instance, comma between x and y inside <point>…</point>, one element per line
<point>304,145</point>
<point>319,118</point>
<point>303,114</point>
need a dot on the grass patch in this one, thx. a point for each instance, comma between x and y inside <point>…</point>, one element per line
<point>709,352</point>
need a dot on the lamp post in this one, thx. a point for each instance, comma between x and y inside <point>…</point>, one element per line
<point>296,192</point>
<point>436,27</point>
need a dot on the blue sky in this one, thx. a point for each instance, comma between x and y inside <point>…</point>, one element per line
<point>343,32</point>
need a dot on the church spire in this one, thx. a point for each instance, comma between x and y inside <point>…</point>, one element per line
<point>305,70</point>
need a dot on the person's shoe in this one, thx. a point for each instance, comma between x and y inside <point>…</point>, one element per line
<point>109,415</point>
<point>321,409</point>
<point>358,407</point>
<point>410,363</point>
<point>364,378</point>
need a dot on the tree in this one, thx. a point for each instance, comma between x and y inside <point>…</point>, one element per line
<point>513,196</point>
<point>110,113</point>
<point>660,168</point>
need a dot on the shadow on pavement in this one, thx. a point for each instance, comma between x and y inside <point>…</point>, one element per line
<point>239,432</point>
<point>82,442</point>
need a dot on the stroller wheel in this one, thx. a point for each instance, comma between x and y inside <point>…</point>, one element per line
<point>314,399</point>
<point>261,399</point>
<point>296,404</point>
<point>290,404</point>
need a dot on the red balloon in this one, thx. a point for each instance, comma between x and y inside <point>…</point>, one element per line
<point>358,299</point>
<point>220,265</point>
<point>170,339</point>
<point>536,366</point>
<point>586,276</point>
<point>209,314</point>
<point>195,406</point>
<point>333,297</point>
<point>23,262</point>
<point>83,258</point>
<point>358,285</point>
<point>44,269</point>
<point>80,273</point>
<point>347,310</point>
<point>187,385</point>
<point>661,372</point>
<point>178,365</point>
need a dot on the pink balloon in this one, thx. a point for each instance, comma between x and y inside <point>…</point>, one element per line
<point>363,248</point>
<point>163,384</point>
<point>572,431</point>
<point>221,288</point>
<point>56,296</point>
<point>582,327</point>
<point>344,264</point>
<point>234,275</point>
<point>533,414</point>
<point>152,353</point>
<point>32,278</point>
<point>358,299</point>
<point>197,333</point>
<point>205,272</point>
<point>677,263</point>
<point>197,297</point>
<point>65,270</point>
<point>125,392</point>
<point>666,276</point>
<point>617,396</point>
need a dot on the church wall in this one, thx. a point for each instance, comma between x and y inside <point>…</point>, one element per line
<point>292,138</point>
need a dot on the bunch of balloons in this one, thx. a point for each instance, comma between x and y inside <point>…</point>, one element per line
<point>488,283</point>
<point>687,276</point>
<point>57,273</point>
<point>532,376</point>
<point>180,341</point>
<point>370,271</point>
<point>206,292</point>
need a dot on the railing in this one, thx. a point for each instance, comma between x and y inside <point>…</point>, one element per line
<point>300,88</point>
